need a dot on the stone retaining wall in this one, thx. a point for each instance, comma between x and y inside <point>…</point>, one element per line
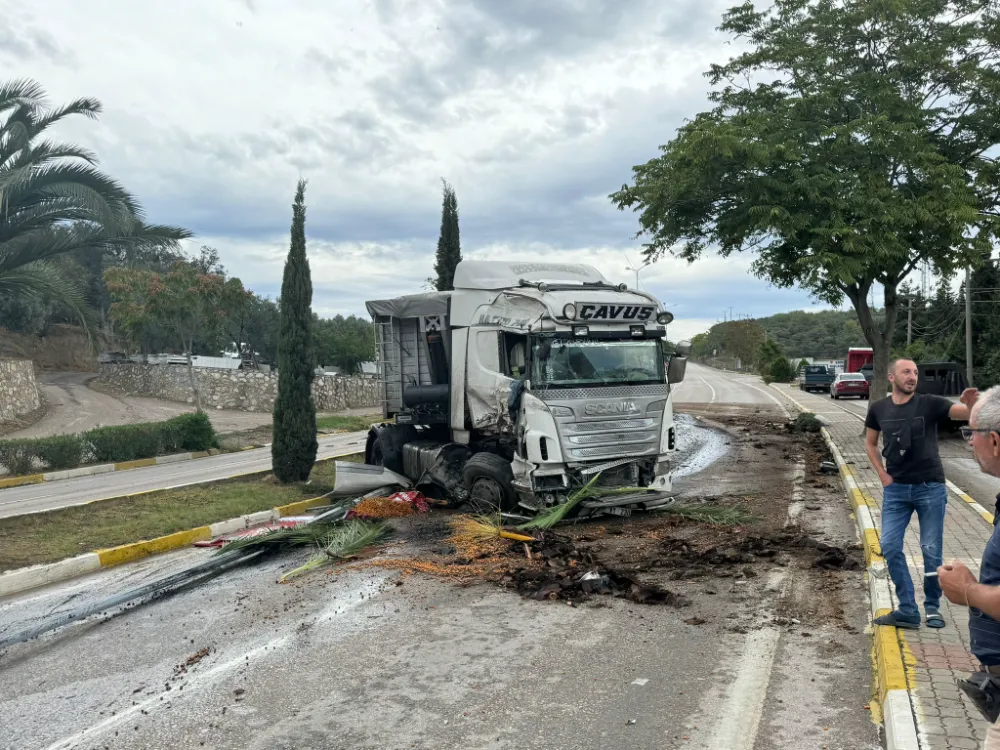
<point>234,389</point>
<point>18,391</point>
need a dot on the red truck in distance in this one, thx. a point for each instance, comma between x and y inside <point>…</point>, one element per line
<point>858,357</point>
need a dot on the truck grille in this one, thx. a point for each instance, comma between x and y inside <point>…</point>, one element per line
<point>619,424</point>
<point>612,450</point>
<point>623,437</point>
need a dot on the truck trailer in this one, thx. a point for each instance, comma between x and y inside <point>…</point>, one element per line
<point>525,383</point>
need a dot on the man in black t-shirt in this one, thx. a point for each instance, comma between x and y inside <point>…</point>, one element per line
<point>913,481</point>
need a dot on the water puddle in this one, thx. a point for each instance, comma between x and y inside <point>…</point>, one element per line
<point>698,446</point>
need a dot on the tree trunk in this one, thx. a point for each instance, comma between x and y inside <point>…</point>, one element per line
<point>192,378</point>
<point>879,338</point>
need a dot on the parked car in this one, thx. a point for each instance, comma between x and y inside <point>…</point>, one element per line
<point>816,378</point>
<point>850,384</point>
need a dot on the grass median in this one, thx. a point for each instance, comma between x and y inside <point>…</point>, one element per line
<point>55,535</point>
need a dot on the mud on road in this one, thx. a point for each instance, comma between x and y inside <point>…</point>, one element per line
<point>668,559</point>
<point>684,635</point>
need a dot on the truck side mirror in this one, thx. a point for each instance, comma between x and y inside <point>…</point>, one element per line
<point>683,348</point>
<point>676,369</point>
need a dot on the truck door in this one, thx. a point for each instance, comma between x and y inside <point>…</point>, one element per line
<point>488,385</point>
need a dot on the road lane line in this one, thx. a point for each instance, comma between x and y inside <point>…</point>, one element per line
<point>709,388</point>
<point>739,719</point>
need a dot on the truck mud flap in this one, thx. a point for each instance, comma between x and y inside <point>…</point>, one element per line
<point>357,479</point>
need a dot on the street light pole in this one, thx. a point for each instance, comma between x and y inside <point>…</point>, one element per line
<point>632,267</point>
<point>968,325</point>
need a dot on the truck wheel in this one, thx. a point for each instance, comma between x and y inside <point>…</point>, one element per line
<point>489,480</point>
<point>385,446</point>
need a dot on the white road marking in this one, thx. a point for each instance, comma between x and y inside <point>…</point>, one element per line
<point>775,399</point>
<point>739,719</point>
<point>709,388</point>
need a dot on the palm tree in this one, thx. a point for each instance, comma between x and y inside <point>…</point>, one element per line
<point>54,200</point>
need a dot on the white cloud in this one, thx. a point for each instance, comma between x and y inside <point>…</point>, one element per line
<point>535,112</point>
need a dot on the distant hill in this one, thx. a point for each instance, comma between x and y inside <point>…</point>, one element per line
<point>826,334</point>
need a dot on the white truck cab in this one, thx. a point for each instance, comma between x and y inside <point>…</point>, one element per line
<point>523,383</point>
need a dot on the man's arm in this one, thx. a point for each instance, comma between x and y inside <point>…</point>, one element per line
<point>875,456</point>
<point>960,411</point>
<point>961,587</point>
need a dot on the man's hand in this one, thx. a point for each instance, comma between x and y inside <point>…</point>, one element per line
<point>955,579</point>
<point>969,397</point>
<point>886,480</point>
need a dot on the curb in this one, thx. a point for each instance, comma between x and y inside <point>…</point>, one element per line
<point>89,471</point>
<point>891,688</point>
<point>140,463</point>
<point>24,579</point>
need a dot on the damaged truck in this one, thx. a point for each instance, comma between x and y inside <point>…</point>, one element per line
<point>524,384</point>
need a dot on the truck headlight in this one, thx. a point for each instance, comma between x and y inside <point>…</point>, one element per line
<point>665,318</point>
<point>569,312</point>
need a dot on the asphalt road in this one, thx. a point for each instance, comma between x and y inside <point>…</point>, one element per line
<point>704,385</point>
<point>74,407</point>
<point>35,498</point>
<point>366,659</point>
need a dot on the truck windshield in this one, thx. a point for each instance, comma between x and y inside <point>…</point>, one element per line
<point>572,363</point>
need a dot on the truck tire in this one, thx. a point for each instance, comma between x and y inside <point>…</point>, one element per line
<point>489,479</point>
<point>385,445</point>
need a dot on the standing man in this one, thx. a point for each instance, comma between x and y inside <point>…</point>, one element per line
<point>958,582</point>
<point>913,480</point>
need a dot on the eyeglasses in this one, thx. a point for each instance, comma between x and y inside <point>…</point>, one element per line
<point>968,432</point>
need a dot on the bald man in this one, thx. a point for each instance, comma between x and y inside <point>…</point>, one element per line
<point>913,482</point>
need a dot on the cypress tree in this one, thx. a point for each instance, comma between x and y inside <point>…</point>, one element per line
<point>293,447</point>
<point>449,249</point>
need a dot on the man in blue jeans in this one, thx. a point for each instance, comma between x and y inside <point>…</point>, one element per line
<point>913,480</point>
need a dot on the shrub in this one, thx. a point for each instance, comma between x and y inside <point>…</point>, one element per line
<point>189,432</point>
<point>18,455</point>
<point>807,422</point>
<point>126,442</point>
<point>60,451</point>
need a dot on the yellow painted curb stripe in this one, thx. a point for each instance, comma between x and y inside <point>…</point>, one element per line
<point>294,508</point>
<point>138,463</point>
<point>18,481</point>
<point>138,550</point>
<point>891,671</point>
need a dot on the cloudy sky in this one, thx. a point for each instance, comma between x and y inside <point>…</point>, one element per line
<point>534,111</point>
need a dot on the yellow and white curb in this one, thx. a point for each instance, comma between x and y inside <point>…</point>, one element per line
<point>25,579</point>
<point>90,471</point>
<point>983,513</point>
<point>35,576</point>
<point>891,689</point>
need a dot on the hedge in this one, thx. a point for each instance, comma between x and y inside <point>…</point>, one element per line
<point>187,432</point>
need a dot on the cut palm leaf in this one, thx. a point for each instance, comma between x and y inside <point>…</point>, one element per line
<point>341,543</point>
<point>480,528</point>
<point>548,518</point>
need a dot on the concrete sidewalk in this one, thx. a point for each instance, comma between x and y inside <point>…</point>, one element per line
<point>934,659</point>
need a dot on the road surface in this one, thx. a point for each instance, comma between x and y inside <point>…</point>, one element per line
<point>365,659</point>
<point>34,498</point>
<point>73,407</point>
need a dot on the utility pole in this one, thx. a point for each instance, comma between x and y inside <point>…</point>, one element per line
<point>968,325</point>
<point>909,322</point>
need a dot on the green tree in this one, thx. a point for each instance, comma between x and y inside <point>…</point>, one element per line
<point>449,248</point>
<point>293,450</point>
<point>56,202</point>
<point>849,143</point>
<point>184,301</point>
<point>344,342</point>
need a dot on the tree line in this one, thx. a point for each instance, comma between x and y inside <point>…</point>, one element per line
<point>929,328</point>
